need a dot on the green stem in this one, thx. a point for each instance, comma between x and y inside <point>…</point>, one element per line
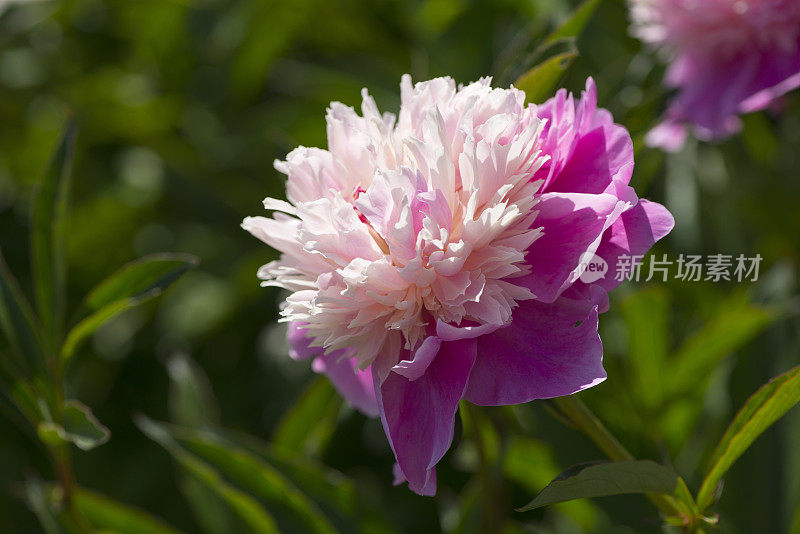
<point>587,422</point>
<point>492,518</point>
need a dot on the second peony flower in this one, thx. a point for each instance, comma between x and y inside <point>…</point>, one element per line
<point>436,256</point>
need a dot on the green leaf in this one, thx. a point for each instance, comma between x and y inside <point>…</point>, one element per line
<point>141,279</point>
<point>106,513</point>
<point>191,399</point>
<point>338,496</point>
<point>555,55</point>
<point>646,315</point>
<point>133,285</point>
<point>270,30</point>
<point>50,206</point>
<point>574,25</point>
<point>79,426</point>
<point>19,324</point>
<point>263,481</point>
<point>90,324</point>
<point>531,464</point>
<point>245,506</point>
<point>735,325</point>
<point>310,423</point>
<point>604,479</point>
<point>766,406</point>
<point>539,81</point>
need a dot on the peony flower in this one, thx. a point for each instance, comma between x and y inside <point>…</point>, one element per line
<point>436,256</point>
<point>728,57</point>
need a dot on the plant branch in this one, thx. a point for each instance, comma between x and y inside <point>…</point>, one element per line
<point>587,422</point>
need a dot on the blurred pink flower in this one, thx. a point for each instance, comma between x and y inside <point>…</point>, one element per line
<point>436,257</point>
<point>727,57</point>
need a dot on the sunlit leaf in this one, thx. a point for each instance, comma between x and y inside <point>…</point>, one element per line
<point>539,81</point>
<point>576,22</point>
<point>766,406</point>
<point>605,479</point>
<point>48,237</point>
<point>79,426</point>
<point>555,55</point>
<point>310,423</point>
<point>106,513</point>
<point>140,279</point>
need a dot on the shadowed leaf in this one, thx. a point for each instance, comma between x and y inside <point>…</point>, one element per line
<point>140,279</point>
<point>311,421</point>
<point>48,236</point>
<point>106,513</point>
<point>18,322</point>
<point>605,479</point>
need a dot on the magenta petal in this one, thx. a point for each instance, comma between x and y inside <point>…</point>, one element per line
<point>601,156</point>
<point>633,234</point>
<point>419,416</point>
<point>298,343</point>
<point>542,354</point>
<point>428,491</point>
<point>352,383</point>
<point>422,358</point>
<point>669,136</point>
<point>572,224</point>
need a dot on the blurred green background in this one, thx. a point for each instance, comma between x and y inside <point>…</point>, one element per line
<point>182,106</point>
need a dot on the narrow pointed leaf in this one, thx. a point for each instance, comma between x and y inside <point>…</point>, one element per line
<point>731,329</point>
<point>141,279</point>
<point>106,513</point>
<point>605,479</point>
<point>576,22</point>
<point>293,510</point>
<point>50,206</point>
<point>135,284</point>
<point>338,496</point>
<point>191,398</point>
<point>555,59</point>
<point>555,55</point>
<point>647,316</point>
<point>766,406</point>
<point>263,481</point>
<point>18,322</point>
<point>245,506</point>
<point>310,423</point>
<point>90,324</point>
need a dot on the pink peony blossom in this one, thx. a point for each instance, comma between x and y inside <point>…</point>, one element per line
<point>436,257</point>
<point>728,57</point>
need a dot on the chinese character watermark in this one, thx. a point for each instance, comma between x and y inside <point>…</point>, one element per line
<point>686,267</point>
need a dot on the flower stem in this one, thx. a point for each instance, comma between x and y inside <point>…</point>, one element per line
<point>587,422</point>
